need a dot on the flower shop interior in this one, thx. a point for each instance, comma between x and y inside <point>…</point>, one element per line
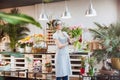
<point>27,47</point>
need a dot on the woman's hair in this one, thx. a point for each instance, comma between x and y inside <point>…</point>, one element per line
<point>56,22</point>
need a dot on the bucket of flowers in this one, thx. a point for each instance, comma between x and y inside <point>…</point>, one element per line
<point>76,34</point>
<point>40,44</point>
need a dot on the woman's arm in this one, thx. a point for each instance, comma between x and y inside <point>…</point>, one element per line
<point>60,45</point>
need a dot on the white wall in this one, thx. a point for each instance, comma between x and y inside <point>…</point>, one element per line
<point>106,12</point>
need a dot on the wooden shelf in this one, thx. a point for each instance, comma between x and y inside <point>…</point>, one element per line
<point>23,64</point>
<point>50,40</point>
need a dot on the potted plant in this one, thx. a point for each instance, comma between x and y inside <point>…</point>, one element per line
<point>21,46</point>
<point>82,69</point>
<point>48,66</point>
<point>16,30</point>
<point>109,39</point>
<point>28,47</point>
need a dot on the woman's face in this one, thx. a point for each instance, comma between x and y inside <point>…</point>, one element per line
<point>59,25</point>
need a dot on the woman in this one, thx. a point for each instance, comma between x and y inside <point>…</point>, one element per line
<point>62,58</point>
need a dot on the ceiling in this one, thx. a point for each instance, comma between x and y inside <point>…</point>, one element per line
<point>17,3</point>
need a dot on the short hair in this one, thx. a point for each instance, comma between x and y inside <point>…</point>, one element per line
<point>56,22</point>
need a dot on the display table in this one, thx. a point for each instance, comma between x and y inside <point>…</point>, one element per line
<point>21,61</point>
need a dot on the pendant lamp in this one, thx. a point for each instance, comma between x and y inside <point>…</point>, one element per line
<point>66,14</point>
<point>43,15</point>
<point>91,11</point>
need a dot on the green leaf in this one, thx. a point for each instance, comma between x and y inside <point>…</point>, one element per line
<point>18,18</point>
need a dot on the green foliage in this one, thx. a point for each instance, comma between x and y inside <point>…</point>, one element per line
<point>18,19</point>
<point>21,45</point>
<point>14,25</point>
<point>47,1</point>
<point>66,29</point>
<point>109,37</point>
<point>92,61</point>
<point>48,64</point>
<point>15,31</point>
<point>75,31</point>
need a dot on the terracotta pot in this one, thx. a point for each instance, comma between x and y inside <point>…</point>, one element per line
<point>49,69</point>
<point>115,63</point>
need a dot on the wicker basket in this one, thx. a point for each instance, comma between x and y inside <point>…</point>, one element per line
<point>39,50</point>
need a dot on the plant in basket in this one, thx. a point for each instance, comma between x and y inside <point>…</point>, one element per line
<point>48,66</point>
<point>40,44</point>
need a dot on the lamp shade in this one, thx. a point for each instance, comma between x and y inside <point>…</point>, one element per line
<point>43,16</point>
<point>66,14</point>
<point>91,11</point>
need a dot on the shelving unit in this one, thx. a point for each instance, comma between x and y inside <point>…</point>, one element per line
<point>50,40</point>
<point>24,64</point>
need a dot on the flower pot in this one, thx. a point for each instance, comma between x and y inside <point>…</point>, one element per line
<point>49,69</point>
<point>21,50</point>
<point>115,63</point>
<point>28,49</point>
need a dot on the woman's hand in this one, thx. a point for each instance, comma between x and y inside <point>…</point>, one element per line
<point>71,41</point>
<point>60,45</point>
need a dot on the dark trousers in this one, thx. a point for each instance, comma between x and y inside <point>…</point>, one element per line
<point>62,78</point>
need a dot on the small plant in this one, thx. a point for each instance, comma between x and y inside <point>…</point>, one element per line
<point>29,44</point>
<point>48,64</point>
<point>83,59</point>
<point>21,45</point>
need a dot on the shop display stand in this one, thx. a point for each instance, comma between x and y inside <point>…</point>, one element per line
<point>22,63</point>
